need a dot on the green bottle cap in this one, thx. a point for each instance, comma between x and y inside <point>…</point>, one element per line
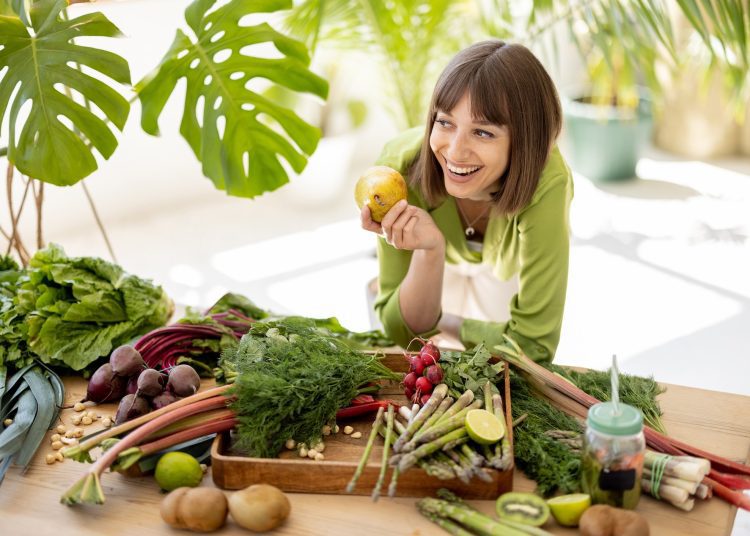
<point>603,418</point>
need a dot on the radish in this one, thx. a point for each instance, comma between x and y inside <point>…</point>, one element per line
<point>409,393</point>
<point>416,365</point>
<point>423,385</point>
<point>410,380</point>
<point>434,374</point>
<point>429,354</point>
<point>424,399</point>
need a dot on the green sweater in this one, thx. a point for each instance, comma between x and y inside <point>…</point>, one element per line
<point>533,243</point>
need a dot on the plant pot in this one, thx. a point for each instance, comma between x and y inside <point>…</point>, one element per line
<point>605,142</point>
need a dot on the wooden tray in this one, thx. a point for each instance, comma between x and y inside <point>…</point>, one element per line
<point>291,473</point>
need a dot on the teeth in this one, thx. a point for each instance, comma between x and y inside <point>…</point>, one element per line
<point>463,171</point>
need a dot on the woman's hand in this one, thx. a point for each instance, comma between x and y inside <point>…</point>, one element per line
<point>405,227</point>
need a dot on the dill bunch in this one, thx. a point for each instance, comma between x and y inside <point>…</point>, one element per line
<point>553,465</point>
<point>636,391</point>
<point>290,379</point>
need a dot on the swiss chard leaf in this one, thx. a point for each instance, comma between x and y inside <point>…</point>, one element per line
<point>38,60</point>
<point>231,136</point>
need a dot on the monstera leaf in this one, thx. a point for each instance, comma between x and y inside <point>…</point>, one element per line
<point>55,140</point>
<point>225,119</point>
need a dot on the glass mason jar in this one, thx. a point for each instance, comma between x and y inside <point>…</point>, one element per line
<point>613,450</point>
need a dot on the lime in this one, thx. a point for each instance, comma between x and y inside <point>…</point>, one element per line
<point>568,509</point>
<point>483,427</point>
<point>177,469</point>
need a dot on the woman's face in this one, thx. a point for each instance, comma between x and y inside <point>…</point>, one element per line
<point>474,154</point>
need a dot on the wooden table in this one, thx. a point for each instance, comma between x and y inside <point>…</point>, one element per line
<point>29,503</point>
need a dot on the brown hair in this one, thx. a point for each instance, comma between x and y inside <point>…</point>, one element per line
<point>507,85</point>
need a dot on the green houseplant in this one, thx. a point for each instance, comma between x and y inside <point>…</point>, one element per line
<point>59,115</point>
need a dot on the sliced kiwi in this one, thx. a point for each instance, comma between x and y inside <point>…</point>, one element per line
<point>525,508</point>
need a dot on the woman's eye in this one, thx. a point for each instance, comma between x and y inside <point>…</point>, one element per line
<point>443,123</point>
<point>485,134</point>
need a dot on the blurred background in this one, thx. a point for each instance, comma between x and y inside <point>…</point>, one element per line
<point>655,95</point>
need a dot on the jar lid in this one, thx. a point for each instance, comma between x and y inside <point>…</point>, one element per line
<point>602,418</point>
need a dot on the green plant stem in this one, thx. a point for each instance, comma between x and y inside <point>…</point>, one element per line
<point>503,453</point>
<point>386,448</point>
<point>366,453</point>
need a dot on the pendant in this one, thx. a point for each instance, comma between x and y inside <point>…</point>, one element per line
<point>469,231</point>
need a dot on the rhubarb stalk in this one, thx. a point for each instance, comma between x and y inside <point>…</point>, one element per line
<point>88,489</point>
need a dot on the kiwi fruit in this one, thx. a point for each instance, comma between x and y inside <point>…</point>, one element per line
<point>525,508</point>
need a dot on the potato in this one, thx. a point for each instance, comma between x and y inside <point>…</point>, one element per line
<point>602,520</point>
<point>259,508</point>
<point>196,509</point>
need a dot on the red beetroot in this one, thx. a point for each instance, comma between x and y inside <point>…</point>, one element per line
<point>424,399</point>
<point>423,385</point>
<point>150,382</point>
<point>105,386</point>
<point>126,361</point>
<point>434,374</point>
<point>183,380</point>
<point>132,387</point>
<point>164,399</point>
<point>409,393</point>
<point>410,380</point>
<point>429,354</point>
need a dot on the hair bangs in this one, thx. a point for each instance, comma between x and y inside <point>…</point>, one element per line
<point>487,97</point>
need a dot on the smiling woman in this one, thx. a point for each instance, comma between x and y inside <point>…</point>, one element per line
<point>480,247</point>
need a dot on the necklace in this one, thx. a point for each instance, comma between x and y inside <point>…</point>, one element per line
<point>470,231</point>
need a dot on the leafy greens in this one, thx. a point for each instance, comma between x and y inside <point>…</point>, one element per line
<point>70,311</point>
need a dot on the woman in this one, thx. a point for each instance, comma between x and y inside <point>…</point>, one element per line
<point>487,211</point>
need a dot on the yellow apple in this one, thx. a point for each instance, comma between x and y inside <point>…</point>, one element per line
<point>380,187</point>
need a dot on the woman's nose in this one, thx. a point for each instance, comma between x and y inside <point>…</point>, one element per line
<point>458,150</point>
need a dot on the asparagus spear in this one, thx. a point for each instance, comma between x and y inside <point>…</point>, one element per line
<point>451,445</point>
<point>468,517</point>
<point>438,394</point>
<point>442,428</point>
<point>446,524</point>
<point>461,402</point>
<point>411,458</point>
<point>442,408</point>
<point>506,456</point>
<point>452,460</point>
<point>366,453</point>
<point>449,496</point>
<point>386,447</point>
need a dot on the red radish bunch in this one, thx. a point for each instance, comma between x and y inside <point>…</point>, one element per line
<point>424,373</point>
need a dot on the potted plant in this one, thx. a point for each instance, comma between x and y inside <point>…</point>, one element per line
<point>60,117</point>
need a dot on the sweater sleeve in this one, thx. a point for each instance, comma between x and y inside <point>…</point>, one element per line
<point>394,263</point>
<point>537,309</point>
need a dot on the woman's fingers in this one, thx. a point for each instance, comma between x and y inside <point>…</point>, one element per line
<point>368,224</point>
<point>402,227</point>
<point>391,217</point>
